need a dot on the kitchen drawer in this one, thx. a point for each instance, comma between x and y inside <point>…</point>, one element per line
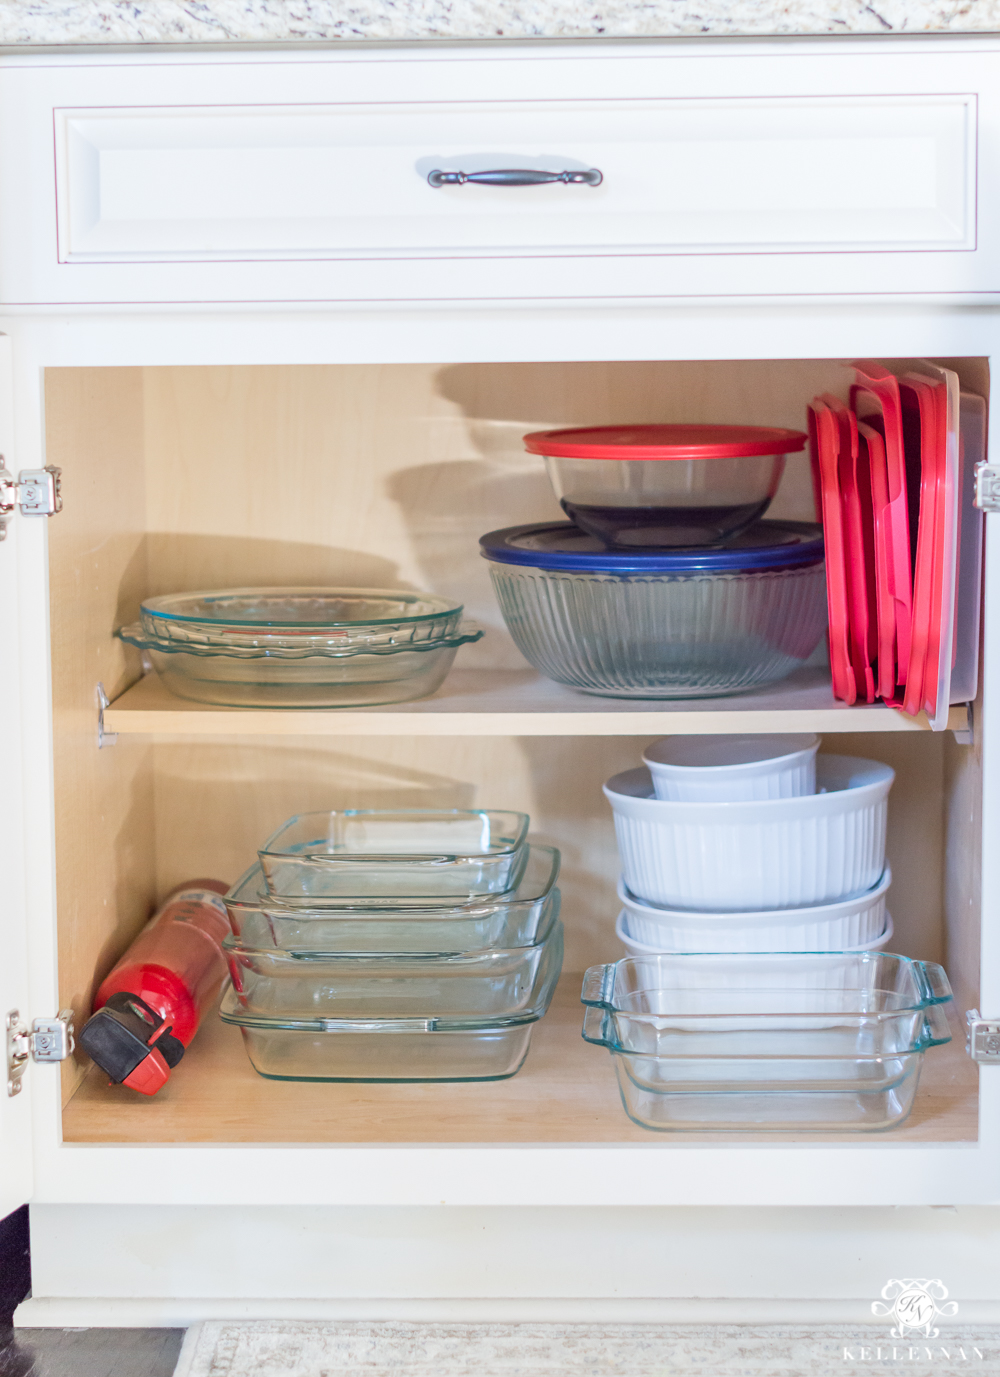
<point>856,174</point>
<point>728,171</point>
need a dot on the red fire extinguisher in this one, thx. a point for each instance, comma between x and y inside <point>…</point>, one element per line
<point>150,1004</point>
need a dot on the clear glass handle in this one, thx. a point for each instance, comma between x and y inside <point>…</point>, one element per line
<point>598,984</point>
<point>593,1027</point>
<point>517,176</point>
<point>936,1028</point>
<point>935,981</point>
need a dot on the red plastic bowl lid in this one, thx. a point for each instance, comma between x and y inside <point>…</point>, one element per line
<point>664,442</point>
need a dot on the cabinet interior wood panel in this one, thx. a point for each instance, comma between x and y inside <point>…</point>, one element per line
<point>179,478</point>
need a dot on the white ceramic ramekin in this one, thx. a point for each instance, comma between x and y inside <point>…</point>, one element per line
<point>636,948</point>
<point>730,769</point>
<point>776,853</point>
<point>844,926</point>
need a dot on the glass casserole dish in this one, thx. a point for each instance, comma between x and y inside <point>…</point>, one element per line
<point>671,624</point>
<point>439,856</point>
<point>332,1049</point>
<point>516,918</point>
<point>475,986</point>
<point>827,1042</point>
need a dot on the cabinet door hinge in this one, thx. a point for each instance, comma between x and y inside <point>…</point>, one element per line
<point>48,1039</point>
<point>982,1037</point>
<point>987,494</point>
<point>36,491</point>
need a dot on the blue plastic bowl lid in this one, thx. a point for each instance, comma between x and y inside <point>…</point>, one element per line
<point>559,545</point>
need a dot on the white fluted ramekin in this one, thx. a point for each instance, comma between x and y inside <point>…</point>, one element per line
<point>775,853</point>
<point>843,926</point>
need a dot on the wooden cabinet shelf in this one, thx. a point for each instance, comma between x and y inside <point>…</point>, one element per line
<point>519,703</point>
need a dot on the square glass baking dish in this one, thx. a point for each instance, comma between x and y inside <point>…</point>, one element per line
<point>476,986</point>
<point>335,1049</point>
<point>830,1042</point>
<point>517,918</point>
<point>439,856</point>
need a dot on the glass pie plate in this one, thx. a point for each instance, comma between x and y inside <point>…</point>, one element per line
<point>411,1049</point>
<point>438,856</point>
<point>300,679</point>
<point>474,986</point>
<point>516,918</point>
<point>828,1042</point>
<point>336,619</point>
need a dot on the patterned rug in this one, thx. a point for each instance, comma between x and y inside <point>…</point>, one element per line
<point>389,1348</point>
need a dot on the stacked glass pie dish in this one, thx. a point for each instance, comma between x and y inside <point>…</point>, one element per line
<point>820,1042</point>
<point>300,647</point>
<point>389,946</point>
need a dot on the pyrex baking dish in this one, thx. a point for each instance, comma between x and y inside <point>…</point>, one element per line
<point>332,1049</point>
<point>475,986</point>
<point>514,919</point>
<point>689,623</point>
<point>823,1042</point>
<point>439,856</point>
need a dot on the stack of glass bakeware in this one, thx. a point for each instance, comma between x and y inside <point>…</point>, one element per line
<point>814,1042</point>
<point>386,946</point>
<point>300,647</point>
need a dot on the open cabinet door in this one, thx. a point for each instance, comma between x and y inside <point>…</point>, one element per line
<point>15,752</point>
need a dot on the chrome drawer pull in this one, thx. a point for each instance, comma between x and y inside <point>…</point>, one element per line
<point>515,176</point>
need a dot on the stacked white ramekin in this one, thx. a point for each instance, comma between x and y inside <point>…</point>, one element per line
<point>751,844</point>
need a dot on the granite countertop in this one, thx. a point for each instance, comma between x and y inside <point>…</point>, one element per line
<point>270,21</point>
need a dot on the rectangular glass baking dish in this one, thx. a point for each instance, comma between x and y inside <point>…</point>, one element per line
<point>517,918</point>
<point>440,856</point>
<point>476,986</point>
<point>381,1049</point>
<point>831,1042</point>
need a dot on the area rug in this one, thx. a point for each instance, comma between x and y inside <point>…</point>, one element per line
<point>390,1348</point>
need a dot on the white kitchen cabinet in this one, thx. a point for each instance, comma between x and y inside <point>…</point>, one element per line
<point>218,420</point>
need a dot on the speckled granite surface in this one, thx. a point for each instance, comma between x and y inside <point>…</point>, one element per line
<point>180,21</point>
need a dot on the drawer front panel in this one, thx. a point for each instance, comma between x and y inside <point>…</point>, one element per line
<point>846,174</point>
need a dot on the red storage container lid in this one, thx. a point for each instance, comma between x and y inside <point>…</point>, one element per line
<point>664,442</point>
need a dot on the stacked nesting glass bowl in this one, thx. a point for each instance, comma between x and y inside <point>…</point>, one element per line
<point>300,647</point>
<point>394,946</point>
<point>687,623</point>
<point>666,583</point>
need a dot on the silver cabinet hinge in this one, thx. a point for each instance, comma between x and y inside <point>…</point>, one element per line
<point>48,1040</point>
<point>982,1037</point>
<point>987,495</point>
<point>36,491</point>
